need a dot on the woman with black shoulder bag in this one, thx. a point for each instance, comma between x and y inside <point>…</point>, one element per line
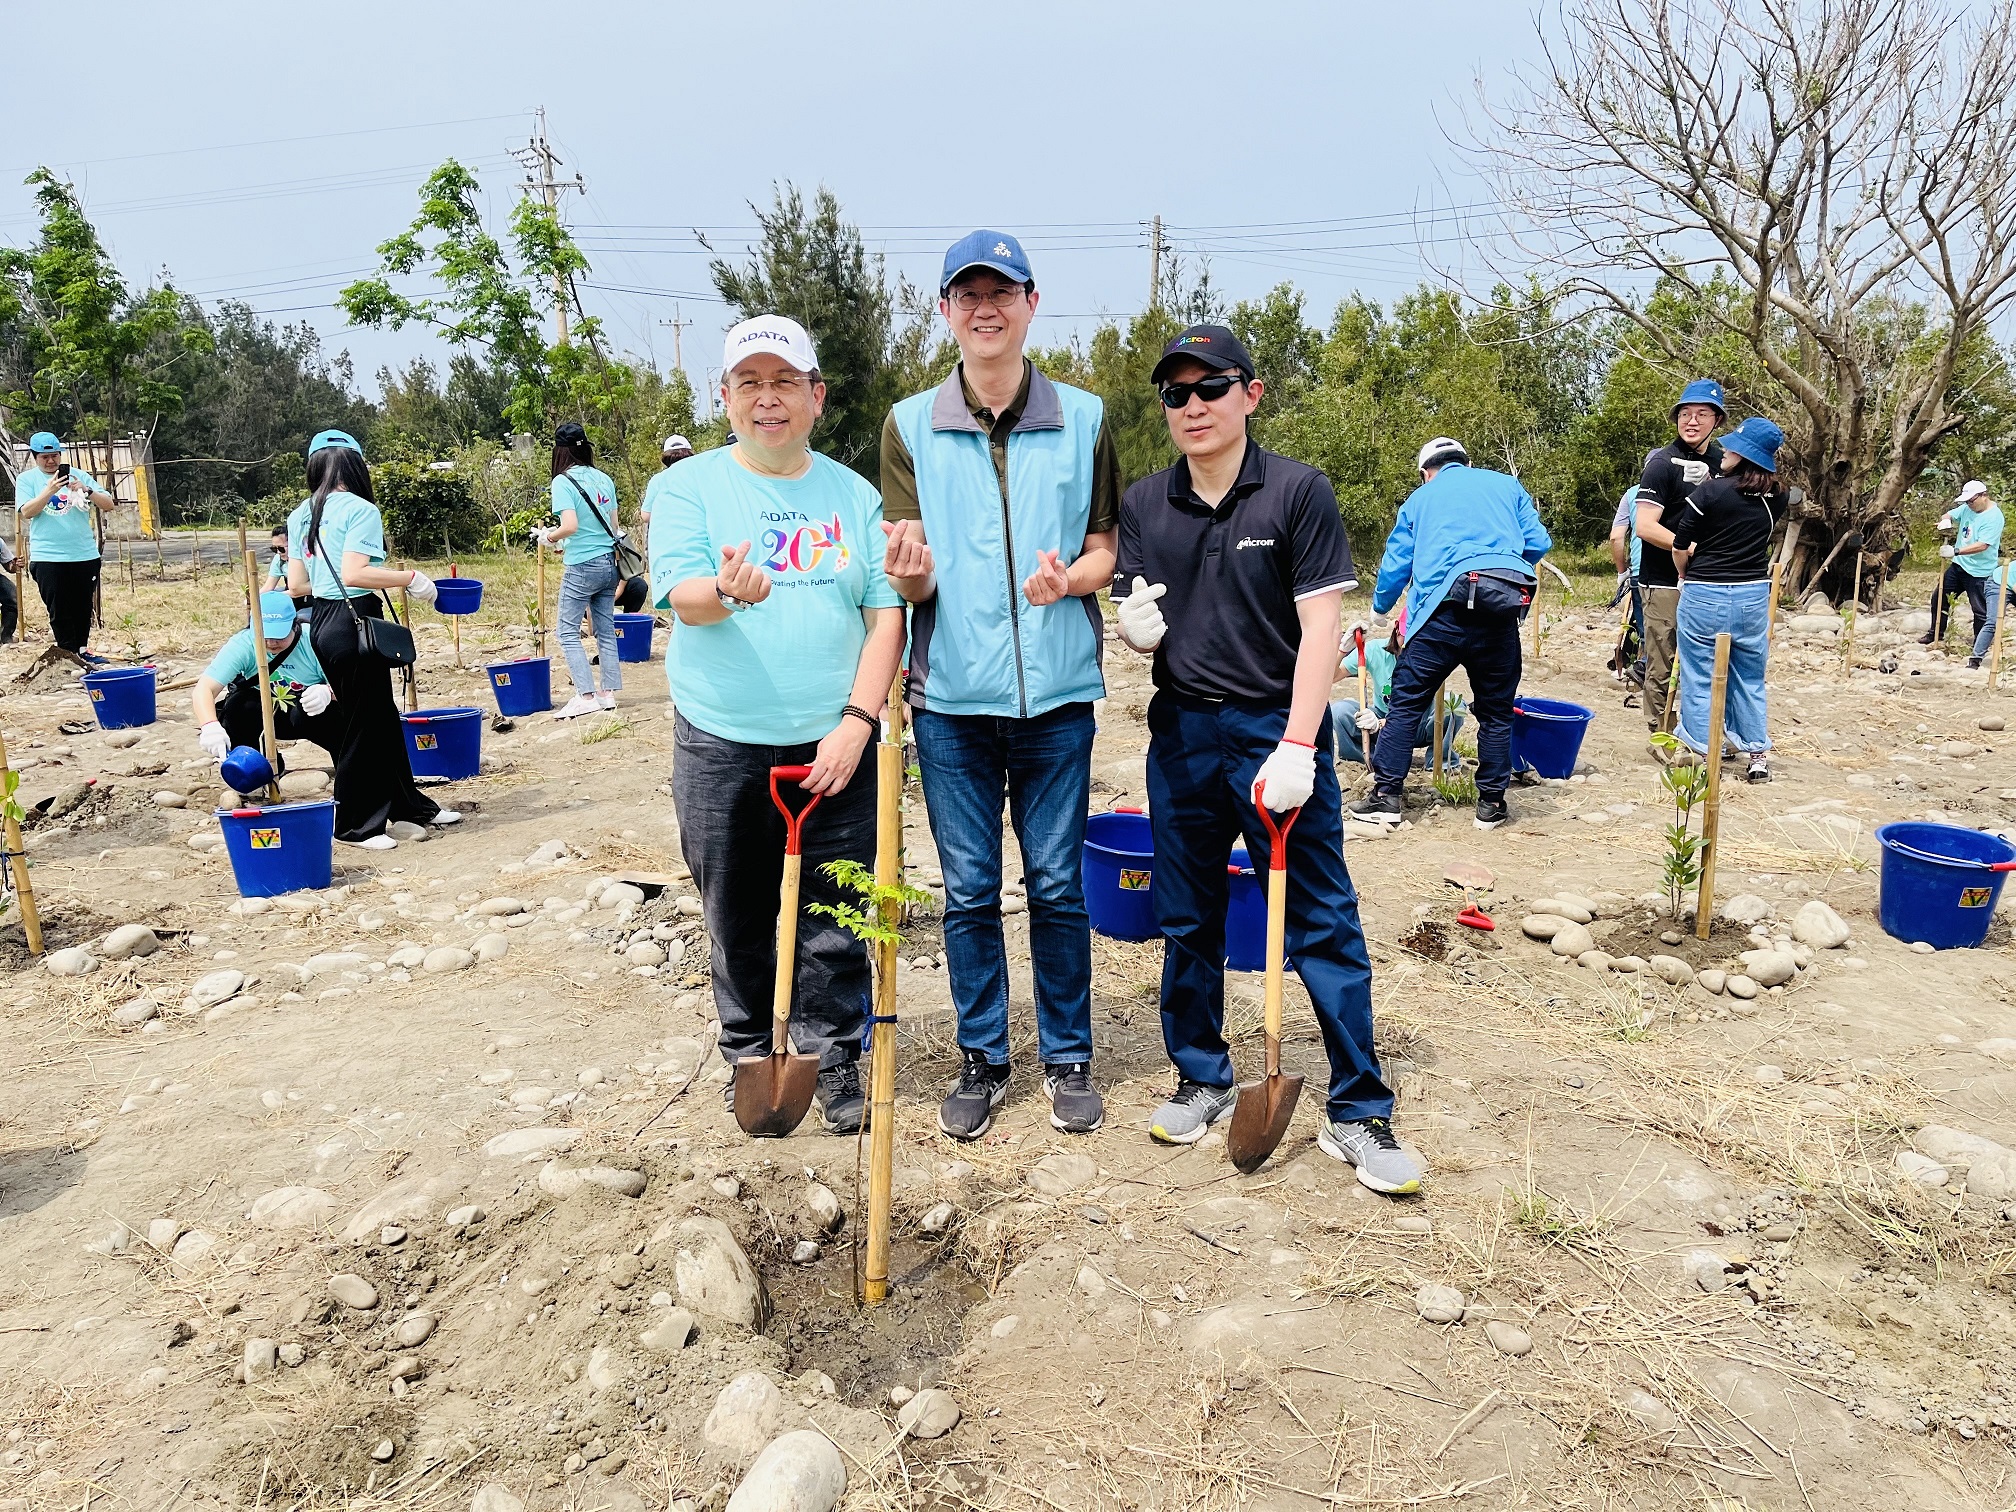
<point>592,546</point>
<point>336,554</point>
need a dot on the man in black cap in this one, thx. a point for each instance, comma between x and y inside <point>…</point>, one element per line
<point>1246,552</point>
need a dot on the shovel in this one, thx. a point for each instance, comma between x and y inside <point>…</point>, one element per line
<point>1260,1116</point>
<point>774,1092</point>
<point>1364,702</point>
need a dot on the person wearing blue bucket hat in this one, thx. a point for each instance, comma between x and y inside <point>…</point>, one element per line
<point>1670,473</point>
<point>226,695</point>
<point>1722,548</point>
<point>58,503</point>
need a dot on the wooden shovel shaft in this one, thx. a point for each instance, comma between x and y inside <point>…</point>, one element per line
<point>1277,955</point>
<point>1711,813</point>
<point>1364,702</point>
<point>787,956</point>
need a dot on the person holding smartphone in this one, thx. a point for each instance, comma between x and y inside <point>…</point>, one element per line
<point>63,557</point>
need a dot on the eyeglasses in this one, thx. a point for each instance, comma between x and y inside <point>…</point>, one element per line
<point>784,388</point>
<point>1210,390</point>
<point>996,299</point>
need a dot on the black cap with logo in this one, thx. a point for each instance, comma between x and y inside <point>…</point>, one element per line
<point>1212,345</point>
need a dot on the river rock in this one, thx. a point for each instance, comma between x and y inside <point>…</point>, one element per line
<point>799,1472</point>
<point>1062,1173</point>
<point>1440,1304</point>
<point>616,894</point>
<point>1989,722</point>
<point>748,1411</point>
<point>1740,986</point>
<point>292,1207</point>
<point>930,1414</point>
<point>1745,908</point>
<point>1594,960</point>
<point>73,961</point>
<point>1507,1339</point>
<point>261,1358</point>
<point>1921,1170</point>
<point>1543,926</point>
<point>406,957</point>
<point>824,1207</point>
<point>529,1144</point>
<point>215,987</point>
<point>1714,980</point>
<point>303,784</point>
<point>1572,940</point>
<point>1671,970</point>
<point>169,799</point>
<point>714,1278</point>
<point>136,1013</point>
<point>491,947</point>
<point>498,908</point>
<point>1562,908</point>
<point>413,1330</point>
<point>1769,968</point>
<point>446,958</point>
<point>940,1216</point>
<point>671,1333</point>
<point>129,940</point>
<point>1991,1168</point>
<point>1819,926</point>
<point>560,1181</point>
<point>645,953</point>
<point>353,1291</point>
<point>496,1498</point>
<point>334,962</point>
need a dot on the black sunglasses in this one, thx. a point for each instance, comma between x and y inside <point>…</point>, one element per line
<point>1217,386</point>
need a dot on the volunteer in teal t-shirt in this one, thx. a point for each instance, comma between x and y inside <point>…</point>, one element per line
<point>676,449</point>
<point>1970,558</point>
<point>584,497</point>
<point>57,500</point>
<point>1355,726</point>
<point>786,645</point>
<point>226,695</point>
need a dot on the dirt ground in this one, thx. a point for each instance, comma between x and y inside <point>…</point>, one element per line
<point>1685,1209</point>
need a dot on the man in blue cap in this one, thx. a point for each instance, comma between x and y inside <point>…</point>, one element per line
<point>226,696</point>
<point>1671,473</point>
<point>1001,498</point>
<point>56,500</point>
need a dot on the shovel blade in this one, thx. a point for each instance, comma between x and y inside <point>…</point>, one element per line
<point>774,1092</point>
<point>1260,1120</point>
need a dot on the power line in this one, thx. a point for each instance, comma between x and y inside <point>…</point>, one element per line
<point>320,136</point>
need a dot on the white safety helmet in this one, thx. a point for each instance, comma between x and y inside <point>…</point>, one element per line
<point>1441,450</point>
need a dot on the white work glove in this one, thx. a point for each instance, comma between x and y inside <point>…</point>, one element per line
<point>1945,521</point>
<point>422,588</point>
<point>1369,722</point>
<point>216,744</point>
<point>1377,628</point>
<point>1287,777</point>
<point>1141,622</point>
<point>316,697</point>
<point>1946,551</point>
<point>543,534</point>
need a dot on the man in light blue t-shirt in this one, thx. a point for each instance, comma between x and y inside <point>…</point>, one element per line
<point>58,502</point>
<point>676,449</point>
<point>787,641</point>
<point>1970,557</point>
<point>226,696</point>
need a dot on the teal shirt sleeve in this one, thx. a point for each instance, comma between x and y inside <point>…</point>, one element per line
<point>232,661</point>
<point>680,545</point>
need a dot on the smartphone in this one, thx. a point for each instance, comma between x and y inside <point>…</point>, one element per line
<point>62,469</point>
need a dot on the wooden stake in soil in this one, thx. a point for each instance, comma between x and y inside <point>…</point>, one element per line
<point>454,620</point>
<point>539,614</point>
<point>1999,596</point>
<point>412,682</point>
<point>882,1035</point>
<point>1771,614</point>
<point>1854,613</point>
<point>1435,728</point>
<point>1536,616</point>
<point>17,862</point>
<point>258,622</point>
<point>20,568</point>
<point>251,584</point>
<point>1711,810</point>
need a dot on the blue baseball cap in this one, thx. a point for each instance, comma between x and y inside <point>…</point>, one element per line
<point>331,438</point>
<point>44,442</point>
<point>276,614</point>
<point>1756,440</point>
<point>1702,391</point>
<point>995,250</point>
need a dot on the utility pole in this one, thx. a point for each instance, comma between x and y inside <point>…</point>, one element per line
<point>539,160</point>
<point>1155,262</point>
<point>678,330</point>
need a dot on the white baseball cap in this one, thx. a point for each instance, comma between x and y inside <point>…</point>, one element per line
<point>676,443</point>
<point>1971,490</point>
<point>778,335</point>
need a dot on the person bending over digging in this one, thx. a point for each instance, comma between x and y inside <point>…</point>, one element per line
<point>1245,551</point>
<point>226,696</point>
<point>787,640</point>
<point>1463,550</point>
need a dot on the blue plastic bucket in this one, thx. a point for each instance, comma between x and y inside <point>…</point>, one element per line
<point>633,637</point>
<point>121,697</point>
<point>524,686</point>
<point>1119,873</point>
<point>445,742</point>
<point>1245,915</point>
<point>458,595</point>
<point>245,769</point>
<point>285,848</point>
<point>1936,884</point>
<point>1547,735</point>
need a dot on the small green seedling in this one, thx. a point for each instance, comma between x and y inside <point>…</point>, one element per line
<point>1686,786</point>
<point>881,902</point>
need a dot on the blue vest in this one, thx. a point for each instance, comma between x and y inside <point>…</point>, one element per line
<point>979,646</point>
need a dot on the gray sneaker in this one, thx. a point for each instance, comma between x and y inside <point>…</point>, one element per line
<point>1196,1106</point>
<point>1368,1144</point>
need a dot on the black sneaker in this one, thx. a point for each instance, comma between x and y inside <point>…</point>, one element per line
<point>1925,640</point>
<point>1380,808</point>
<point>1973,664</point>
<point>1760,770</point>
<point>1491,812</point>
<point>1075,1104</point>
<point>843,1106</point>
<point>728,1093</point>
<point>969,1111</point>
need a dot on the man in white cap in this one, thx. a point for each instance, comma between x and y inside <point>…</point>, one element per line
<point>787,642</point>
<point>1970,559</point>
<point>676,449</point>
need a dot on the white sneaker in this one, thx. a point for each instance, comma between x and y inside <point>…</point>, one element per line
<point>575,707</point>
<point>446,816</point>
<point>375,842</point>
<point>605,701</point>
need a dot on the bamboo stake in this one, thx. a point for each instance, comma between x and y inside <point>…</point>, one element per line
<point>1536,616</point>
<point>1435,735</point>
<point>1999,589</point>
<point>1854,614</point>
<point>1711,815</point>
<point>454,620</point>
<point>160,555</point>
<point>251,584</point>
<point>1771,614</point>
<point>539,631</point>
<point>882,1041</point>
<point>17,861</point>
<point>258,623</point>
<point>20,587</point>
<point>406,614</point>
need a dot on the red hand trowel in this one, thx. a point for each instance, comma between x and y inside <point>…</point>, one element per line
<point>774,1092</point>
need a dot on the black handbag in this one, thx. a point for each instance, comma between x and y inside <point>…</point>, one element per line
<point>630,561</point>
<point>385,641</point>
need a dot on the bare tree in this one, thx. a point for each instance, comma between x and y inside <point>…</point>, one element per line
<point>1829,186</point>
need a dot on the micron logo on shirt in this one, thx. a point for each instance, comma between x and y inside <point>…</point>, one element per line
<point>1245,541</point>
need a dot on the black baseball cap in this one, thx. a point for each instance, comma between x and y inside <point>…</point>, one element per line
<point>1212,345</point>
<point>569,433</point>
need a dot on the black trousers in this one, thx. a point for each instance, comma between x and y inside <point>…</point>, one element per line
<point>1955,582</point>
<point>238,712</point>
<point>10,608</point>
<point>67,589</point>
<point>733,840</point>
<point>374,779</point>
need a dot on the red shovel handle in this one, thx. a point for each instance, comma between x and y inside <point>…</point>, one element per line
<point>1359,632</point>
<point>794,823</point>
<point>1277,834</point>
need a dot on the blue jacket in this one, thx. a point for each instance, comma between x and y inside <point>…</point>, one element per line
<point>1464,519</point>
<point>978,646</point>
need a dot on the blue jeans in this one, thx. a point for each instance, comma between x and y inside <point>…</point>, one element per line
<point>589,588</point>
<point>1043,767</point>
<point>1742,611</point>
<point>1351,746</point>
<point>1985,641</point>
<point>1202,759</point>
<point>1486,646</point>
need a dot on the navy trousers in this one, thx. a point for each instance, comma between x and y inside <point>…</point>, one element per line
<point>1486,646</point>
<point>1202,758</point>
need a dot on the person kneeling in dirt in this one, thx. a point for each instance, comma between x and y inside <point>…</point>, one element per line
<point>1248,552</point>
<point>1463,550</point>
<point>775,665</point>
<point>1357,728</point>
<point>226,696</point>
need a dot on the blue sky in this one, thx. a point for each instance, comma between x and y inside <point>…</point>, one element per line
<point>262,152</point>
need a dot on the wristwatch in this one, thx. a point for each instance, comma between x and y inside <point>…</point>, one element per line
<point>732,604</point>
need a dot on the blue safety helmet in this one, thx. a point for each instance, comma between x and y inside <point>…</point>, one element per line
<point>1756,440</point>
<point>1701,391</point>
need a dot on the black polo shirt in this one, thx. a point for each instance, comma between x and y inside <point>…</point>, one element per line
<point>1234,573</point>
<point>1671,473</point>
